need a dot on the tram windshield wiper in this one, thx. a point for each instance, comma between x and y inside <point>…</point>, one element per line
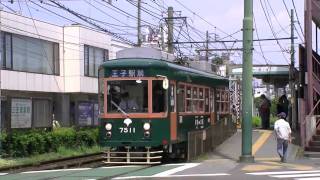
<point>121,110</point>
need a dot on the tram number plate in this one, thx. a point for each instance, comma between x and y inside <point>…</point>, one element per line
<point>199,122</point>
<point>127,130</point>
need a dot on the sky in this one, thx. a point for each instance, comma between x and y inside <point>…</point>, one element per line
<point>221,17</point>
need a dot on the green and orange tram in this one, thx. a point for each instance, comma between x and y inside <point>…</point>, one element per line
<point>148,106</point>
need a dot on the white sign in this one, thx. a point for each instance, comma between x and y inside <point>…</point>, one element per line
<point>21,111</point>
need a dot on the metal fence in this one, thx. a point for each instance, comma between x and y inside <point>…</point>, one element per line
<point>207,140</point>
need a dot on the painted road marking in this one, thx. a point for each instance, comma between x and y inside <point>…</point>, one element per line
<point>177,169</point>
<point>282,172</point>
<point>297,175</point>
<point>56,170</point>
<point>112,167</point>
<point>260,141</point>
<point>173,176</point>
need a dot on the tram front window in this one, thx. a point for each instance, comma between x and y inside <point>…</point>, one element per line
<point>127,96</point>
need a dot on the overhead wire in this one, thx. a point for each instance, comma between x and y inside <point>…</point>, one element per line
<point>82,17</point>
<point>44,52</point>
<point>267,16</point>
<point>257,33</point>
<point>295,10</point>
<point>8,7</point>
<point>296,29</point>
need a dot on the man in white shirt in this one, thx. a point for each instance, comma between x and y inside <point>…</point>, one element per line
<point>283,133</point>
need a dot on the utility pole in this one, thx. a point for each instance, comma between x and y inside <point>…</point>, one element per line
<point>246,155</point>
<point>207,46</point>
<point>170,29</point>
<point>291,76</point>
<point>139,24</point>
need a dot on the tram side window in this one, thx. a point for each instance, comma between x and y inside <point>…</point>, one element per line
<point>201,100</point>
<point>222,101</point>
<point>218,101</point>
<point>181,98</point>
<point>195,100</point>
<point>189,100</point>
<point>206,100</point>
<point>212,101</point>
<point>158,97</point>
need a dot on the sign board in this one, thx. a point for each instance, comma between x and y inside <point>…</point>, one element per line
<point>21,113</point>
<point>85,114</point>
<point>127,73</point>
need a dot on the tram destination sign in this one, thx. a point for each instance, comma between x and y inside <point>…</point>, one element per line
<point>127,73</point>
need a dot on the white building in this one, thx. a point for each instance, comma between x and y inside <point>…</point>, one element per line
<point>49,69</point>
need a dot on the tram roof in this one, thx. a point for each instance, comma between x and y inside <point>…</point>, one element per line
<point>172,71</point>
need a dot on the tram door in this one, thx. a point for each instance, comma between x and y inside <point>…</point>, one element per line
<point>173,111</point>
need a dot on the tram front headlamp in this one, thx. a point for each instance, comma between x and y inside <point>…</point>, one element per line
<point>108,126</point>
<point>109,134</point>
<point>146,126</point>
<point>147,134</point>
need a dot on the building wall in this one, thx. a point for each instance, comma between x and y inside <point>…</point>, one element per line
<point>24,81</point>
<point>66,90</point>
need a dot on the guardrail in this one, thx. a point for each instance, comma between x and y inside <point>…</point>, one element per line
<point>207,140</point>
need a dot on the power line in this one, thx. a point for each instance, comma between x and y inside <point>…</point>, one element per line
<point>104,12</point>
<point>295,10</point>
<point>201,17</point>
<point>274,15</point>
<point>256,30</point>
<point>285,5</point>
<point>8,7</point>
<point>80,16</point>
<point>127,13</point>
<point>228,41</point>
<point>267,16</point>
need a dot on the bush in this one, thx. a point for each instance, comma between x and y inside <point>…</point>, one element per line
<point>256,121</point>
<point>22,143</point>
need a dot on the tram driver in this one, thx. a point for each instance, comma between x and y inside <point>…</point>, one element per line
<point>127,104</point>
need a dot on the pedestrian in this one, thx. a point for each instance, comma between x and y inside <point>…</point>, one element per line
<point>283,104</point>
<point>264,111</point>
<point>283,134</point>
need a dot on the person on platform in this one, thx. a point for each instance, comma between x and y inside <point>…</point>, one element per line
<point>283,105</point>
<point>283,134</point>
<point>264,111</point>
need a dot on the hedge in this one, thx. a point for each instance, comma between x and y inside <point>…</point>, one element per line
<point>23,143</point>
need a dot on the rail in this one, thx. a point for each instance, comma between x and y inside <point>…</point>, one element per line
<point>94,159</point>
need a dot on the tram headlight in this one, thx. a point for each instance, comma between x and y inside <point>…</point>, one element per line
<point>147,134</point>
<point>108,126</point>
<point>109,134</point>
<point>146,126</point>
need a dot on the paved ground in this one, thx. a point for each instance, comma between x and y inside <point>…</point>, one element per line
<point>222,164</point>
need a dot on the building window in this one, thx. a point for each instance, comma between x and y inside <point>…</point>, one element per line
<point>22,53</point>
<point>93,58</point>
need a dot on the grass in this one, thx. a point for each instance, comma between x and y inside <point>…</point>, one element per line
<point>61,153</point>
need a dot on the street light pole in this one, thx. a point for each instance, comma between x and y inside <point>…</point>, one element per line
<point>246,155</point>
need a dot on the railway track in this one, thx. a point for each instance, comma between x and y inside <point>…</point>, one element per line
<point>88,160</point>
